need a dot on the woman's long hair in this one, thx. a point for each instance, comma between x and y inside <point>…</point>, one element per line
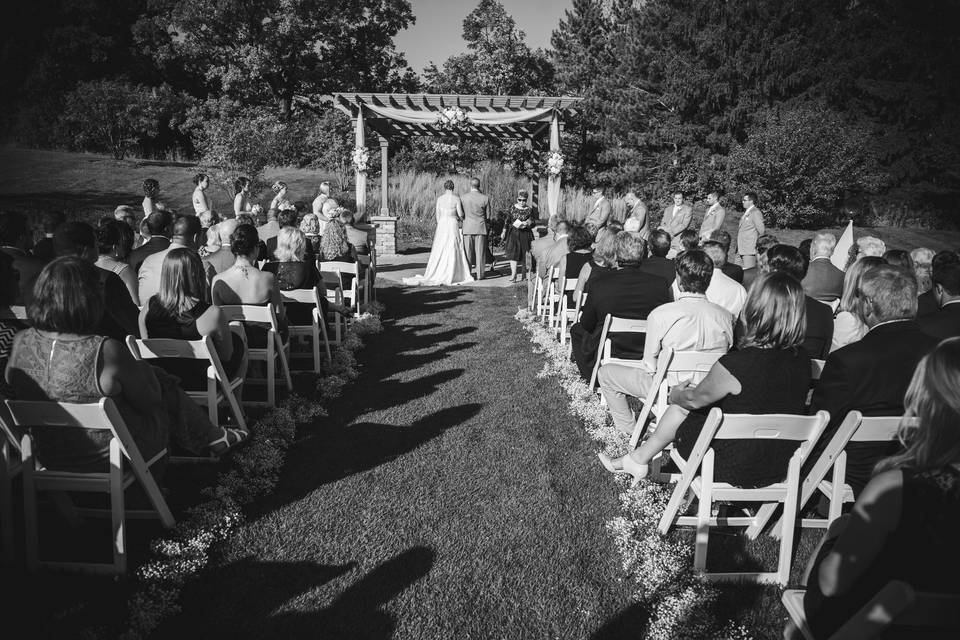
<point>932,440</point>
<point>291,245</point>
<point>334,241</point>
<point>775,314</point>
<point>67,297</point>
<point>182,282</point>
<point>850,300</point>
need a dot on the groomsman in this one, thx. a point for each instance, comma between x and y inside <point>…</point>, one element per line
<point>600,213</point>
<point>713,218</point>
<point>751,228</point>
<point>676,218</point>
<point>476,210</point>
<point>637,221</point>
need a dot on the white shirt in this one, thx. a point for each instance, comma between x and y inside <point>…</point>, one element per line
<point>847,329</point>
<point>691,323</point>
<point>724,291</point>
<point>149,274</point>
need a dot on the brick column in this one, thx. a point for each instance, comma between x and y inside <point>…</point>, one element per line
<point>385,235</point>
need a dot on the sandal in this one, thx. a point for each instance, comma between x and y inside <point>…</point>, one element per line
<point>230,439</point>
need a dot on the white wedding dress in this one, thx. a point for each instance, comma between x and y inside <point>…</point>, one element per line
<point>448,263</point>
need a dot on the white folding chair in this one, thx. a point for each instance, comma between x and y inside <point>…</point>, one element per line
<point>365,262</point>
<point>317,330</point>
<point>543,291</point>
<point>14,312</point>
<point>126,466</point>
<point>275,347</point>
<point>219,389</point>
<point>334,293</point>
<point>10,468</point>
<point>351,294</point>
<point>614,324</point>
<point>566,316</point>
<point>697,477</point>
<point>914,613</point>
<point>673,367</point>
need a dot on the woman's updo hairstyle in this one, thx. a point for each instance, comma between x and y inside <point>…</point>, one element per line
<point>240,184</point>
<point>108,235</point>
<point>245,240</point>
<point>448,185</point>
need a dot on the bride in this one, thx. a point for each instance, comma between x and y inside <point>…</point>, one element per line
<point>447,263</point>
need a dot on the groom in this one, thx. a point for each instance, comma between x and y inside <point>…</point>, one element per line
<point>476,208</point>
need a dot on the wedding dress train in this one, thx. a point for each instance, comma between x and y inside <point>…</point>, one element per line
<point>448,263</point>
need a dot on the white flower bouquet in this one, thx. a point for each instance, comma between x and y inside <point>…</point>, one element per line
<point>451,118</point>
<point>555,163</point>
<point>361,159</point>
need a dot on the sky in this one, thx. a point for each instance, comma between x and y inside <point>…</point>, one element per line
<point>438,32</point>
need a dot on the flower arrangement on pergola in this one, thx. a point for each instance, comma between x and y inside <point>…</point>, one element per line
<point>538,120</point>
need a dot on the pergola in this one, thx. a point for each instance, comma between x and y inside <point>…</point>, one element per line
<point>537,120</point>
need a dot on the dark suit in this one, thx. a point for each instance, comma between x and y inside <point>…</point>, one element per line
<point>819,329</point>
<point>944,323</point>
<point>871,376</point>
<point>823,280</point>
<point>43,249</point>
<point>120,319</point>
<point>150,247</point>
<point>927,304</point>
<point>733,271</point>
<point>27,269</point>
<point>627,293</point>
<point>662,267</point>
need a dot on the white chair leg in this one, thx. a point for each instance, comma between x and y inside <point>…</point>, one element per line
<point>117,508</point>
<point>31,540</point>
<point>271,365</point>
<point>789,520</point>
<point>6,503</point>
<point>703,513</point>
<point>285,361</point>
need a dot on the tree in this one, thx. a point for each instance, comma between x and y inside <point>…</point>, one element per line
<point>277,50</point>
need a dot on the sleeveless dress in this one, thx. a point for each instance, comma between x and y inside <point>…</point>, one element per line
<point>447,264</point>
<point>518,241</point>
<point>772,381</point>
<point>575,262</point>
<point>298,275</point>
<point>65,370</point>
<point>922,551</point>
<point>161,323</point>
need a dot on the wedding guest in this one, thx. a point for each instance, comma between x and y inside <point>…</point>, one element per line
<point>185,234</point>
<point>113,248</point>
<point>578,252</point>
<point>689,240</point>
<point>14,242</point>
<point>545,254</point>
<point>927,303</point>
<point>768,373</point>
<point>293,271</point>
<point>751,228</point>
<point>311,229</point>
<point>223,258</point>
<point>945,323</point>
<point>628,292</point>
<point>849,325</point>
<point>923,267</point>
<point>212,245</point>
<point>241,201</point>
<point>733,271</point>
<point>904,522</point>
<point>43,248</point>
<point>271,227</point>
<point>358,238</point>
<point>872,374</point>
<point>151,189</point>
<point>818,334</point>
<point>723,290</point>
<point>899,258</point>
<point>764,242</point>
<point>518,235</point>
<point>637,221</point>
<point>208,219</point>
<point>658,263</point>
<point>676,218</point>
<point>599,214</point>
<point>823,281</point>
<point>287,218</point>
<point>201,201</point>
<point>691,323</point>
<point>870,246</point>
<point>243,283</point>
<point>804,247</point>
<point>334,246</point>
<point>158,226</point>
<point>128,216</point>
<point>713,218</point>
<point>602,262</point>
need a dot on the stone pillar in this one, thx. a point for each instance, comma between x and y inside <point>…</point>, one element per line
<point>385,233</point>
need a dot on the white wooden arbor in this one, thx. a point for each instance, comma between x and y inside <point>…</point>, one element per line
<point>537,120</point>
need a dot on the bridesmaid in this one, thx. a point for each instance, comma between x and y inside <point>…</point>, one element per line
<point>241,202</point>
<point>519,235</point>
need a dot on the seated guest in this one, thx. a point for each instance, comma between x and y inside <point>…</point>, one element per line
<point>579,250</point>
<point>158,226</point>
<point>185,234</point>
<point>293,271</point>
<point>628,292</point>
<point>849,324</point>
<point>212,243</point>
<point>334,247</point>
<point>723,290</point>
<point>689,240</point>
<point>223,258</point>
<point>768,373</point>
<point>945,323</point>
<point>923,268</point>
<point>904,523</point>
<point>692,323</point>
<point>310,225</point>
<point>764,242</point>
<point>9,327</point>
<point>823,281</point>
<point>208,219</point>
<point>43,248</point>
<point>819,317</point>
<point>243,283</point>
<point>14,242</point>
<point>546,253</point>
<point>288,218</point>
<point>181,310</point>
<point>602,261</point>
<point>804,247</point>
<point>899,258</point>
<point>79,240</point>
<point>358,238</point>
<point>731,270</point>
<point>114,246</point>
<point>870,246</point>
<point>271,227</point>
<point>872,375</point>
<point>927,303</point>
<point>128,216</point>
<point>658,263</point>
<point>63,358</point>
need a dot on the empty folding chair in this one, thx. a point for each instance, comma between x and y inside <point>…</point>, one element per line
<point>274,349</point>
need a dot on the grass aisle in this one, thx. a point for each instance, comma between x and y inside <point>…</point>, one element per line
<point>449,494</point>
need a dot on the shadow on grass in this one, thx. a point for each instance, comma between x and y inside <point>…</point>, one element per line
<point>387,268</point>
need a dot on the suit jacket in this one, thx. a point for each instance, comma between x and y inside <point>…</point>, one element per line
<point>733,271</point>
<point>819,333</point>
<point>476,210</point>
<point>944,323</point>
<point>151,246</point>
<point>221,259</point>
<point>676,219</point>
<point>539,249</point>
<point>628,293</point>
<point>600,213</point>
<point>661,267</point>
<point>26,269</point>
<point>43,249</point>
<point>642,229</point>
<point>121,317</point>
<point>712,220</point>
<point>927,304</point>
<point>871,376</point>
<point>751,226</point>
<point>554,254</point>
<point>823,280</point>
